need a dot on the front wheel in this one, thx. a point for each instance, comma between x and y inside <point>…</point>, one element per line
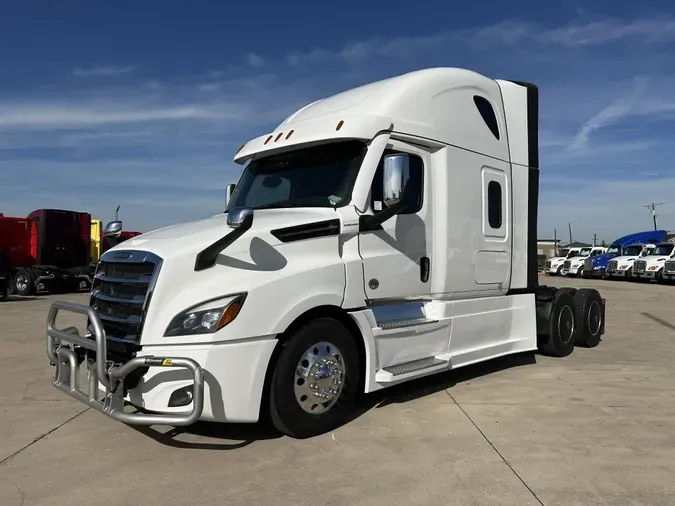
<point>23,282</point>
<point>315,380</point>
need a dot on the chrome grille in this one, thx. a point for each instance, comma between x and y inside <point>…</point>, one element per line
<point>121,293</point>
<point>640,266</point>
<point>588,264</point>
<point>612,265</point>
<point>567,264</point>
<point>669,267</point>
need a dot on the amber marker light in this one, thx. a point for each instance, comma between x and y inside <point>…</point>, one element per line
<point>268,139</point>
<point>289,134</point>
<point>232,311</point>
<point>339,125</point>
<point>278,136</point>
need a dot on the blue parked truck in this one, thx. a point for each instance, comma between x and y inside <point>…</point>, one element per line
<point>596,266</point>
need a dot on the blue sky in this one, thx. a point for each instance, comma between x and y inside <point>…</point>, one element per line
<point>143,104</point>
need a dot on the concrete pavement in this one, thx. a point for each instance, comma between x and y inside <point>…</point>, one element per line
<point>597,427</point>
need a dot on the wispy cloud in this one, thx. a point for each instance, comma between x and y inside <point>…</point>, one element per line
<point>510,33</point>
<point>108,71</point>
<point>254,60</point>
<point>612,113</point>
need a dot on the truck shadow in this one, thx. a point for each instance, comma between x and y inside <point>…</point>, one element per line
<point>235,436</point>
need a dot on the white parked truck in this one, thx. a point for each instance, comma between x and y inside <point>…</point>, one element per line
<point>575,266</point>
<point>622,266</point>
<point>651,265</point>
<point>376,236</point>
<point>554,265</point>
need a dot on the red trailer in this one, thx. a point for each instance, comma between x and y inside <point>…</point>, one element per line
<point>47,250</point>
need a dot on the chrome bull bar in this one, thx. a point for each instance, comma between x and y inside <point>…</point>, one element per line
<point>61,352</point>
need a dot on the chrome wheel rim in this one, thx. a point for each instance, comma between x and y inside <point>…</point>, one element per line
<point>566,324</point>
<point>319,378</point>
<point>21,283</point>
<point>594,318</point>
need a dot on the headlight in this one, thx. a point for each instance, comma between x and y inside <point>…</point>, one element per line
<point>206,318</point>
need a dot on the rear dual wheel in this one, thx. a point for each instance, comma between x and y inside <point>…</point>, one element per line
<point>589,316</point>
<point>560,337</point>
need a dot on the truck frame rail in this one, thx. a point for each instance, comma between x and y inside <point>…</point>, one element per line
<point>66,349</point>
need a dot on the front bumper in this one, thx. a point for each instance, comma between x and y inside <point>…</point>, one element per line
<point>645,275</point>
<point>594,273</point>
<point>619,273</point>
<point>66,350</point>
<point>227,378</point>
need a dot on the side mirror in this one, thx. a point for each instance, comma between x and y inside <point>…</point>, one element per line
<point>113,228</point>
<point>396,177</point>
<point>229,190</point>
<point>240,217</point>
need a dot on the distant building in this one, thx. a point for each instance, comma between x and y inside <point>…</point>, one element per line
<point>577,244</point>
<point>548,247</point>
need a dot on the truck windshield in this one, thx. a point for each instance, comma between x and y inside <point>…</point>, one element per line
<point>632,251</point>
<point>585,252</point>
<point>613,250</point>
<point>663,250</point>
<point>317,176</point>
<point>573,253</point>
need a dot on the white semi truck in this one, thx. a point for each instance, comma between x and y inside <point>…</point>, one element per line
<point>622,266</point>
<point>651,266</point>
<point>554,265</point>
<point>575,266</point>
<point>376,236</point>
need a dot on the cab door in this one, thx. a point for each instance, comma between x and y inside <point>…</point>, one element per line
<point>397,258</point>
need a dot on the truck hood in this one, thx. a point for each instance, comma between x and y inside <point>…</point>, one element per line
<point>624,259</point>
<point>652,260</point>
<point>192,237</point>
<point>578,260</point>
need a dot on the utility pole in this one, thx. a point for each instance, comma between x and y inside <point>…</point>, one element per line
<point>569,225</point>
<point>652,208</point>
<point>595,243</point>
<point>555,242</point>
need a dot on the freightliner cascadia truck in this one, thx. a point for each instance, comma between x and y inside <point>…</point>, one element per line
<point>376,236</point>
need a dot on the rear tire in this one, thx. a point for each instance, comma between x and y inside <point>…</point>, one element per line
<point>559,341</point>
<point>319,359</point>
<point>588,317</point>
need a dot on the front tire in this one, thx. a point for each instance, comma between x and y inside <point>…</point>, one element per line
<point>23,282</point>
<point>315,379</point>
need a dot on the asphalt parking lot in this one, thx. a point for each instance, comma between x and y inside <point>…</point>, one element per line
<point>597,427</point>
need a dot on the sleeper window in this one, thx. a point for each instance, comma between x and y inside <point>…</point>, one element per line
<point>495,204</point>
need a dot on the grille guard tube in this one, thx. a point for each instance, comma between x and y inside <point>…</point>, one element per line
<point>66,376</point>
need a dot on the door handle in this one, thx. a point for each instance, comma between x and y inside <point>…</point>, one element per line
<point>425,266</point>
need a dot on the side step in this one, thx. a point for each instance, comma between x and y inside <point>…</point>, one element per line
<point>410,369</point>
